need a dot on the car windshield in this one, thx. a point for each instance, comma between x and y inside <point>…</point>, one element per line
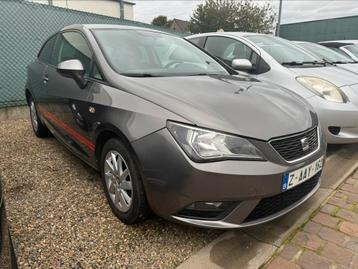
<point>338,50</point>
<point>353,49</point>
<point>324,53</point>
<point>141,53</point>
<point>282,50</point>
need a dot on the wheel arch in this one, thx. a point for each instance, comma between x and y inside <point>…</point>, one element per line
<point>28,95</point>
<point>105,133</point>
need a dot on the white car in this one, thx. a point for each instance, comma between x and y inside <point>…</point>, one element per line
<point>329,56</point>
<point>346,47</point>
<point>332,91</point>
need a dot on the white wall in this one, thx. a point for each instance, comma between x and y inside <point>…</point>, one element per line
<point>128,12</point>
<point>103,7</point>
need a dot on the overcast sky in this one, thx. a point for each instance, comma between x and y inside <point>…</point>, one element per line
<point>292,11</point>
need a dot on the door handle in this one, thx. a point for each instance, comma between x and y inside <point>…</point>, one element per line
<point>45,79</point>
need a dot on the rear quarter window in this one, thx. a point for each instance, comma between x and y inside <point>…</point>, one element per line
<point>199,41</point>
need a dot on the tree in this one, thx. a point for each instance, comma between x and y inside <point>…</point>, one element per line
<point>162,21</point>
<point>232,15</point>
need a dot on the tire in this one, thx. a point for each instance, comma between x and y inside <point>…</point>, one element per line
<point>123,185</point>
<point>12,255</point>
<point>39,128</point>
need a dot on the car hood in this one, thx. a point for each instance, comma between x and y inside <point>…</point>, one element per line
<point>335,75</point>
<point>350,67</point>
<point>238,105</point>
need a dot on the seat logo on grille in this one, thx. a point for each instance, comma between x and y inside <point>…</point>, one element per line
<point>305,144</point>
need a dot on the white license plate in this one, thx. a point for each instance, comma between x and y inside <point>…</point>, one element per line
<point>298,176</point>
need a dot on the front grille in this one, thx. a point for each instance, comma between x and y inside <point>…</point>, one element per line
<point>274,204</point>
<point>291,148</point>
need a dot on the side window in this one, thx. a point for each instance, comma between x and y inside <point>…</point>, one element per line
<point>72,45</point>
<point>227,49</point>
<point>45,55</point>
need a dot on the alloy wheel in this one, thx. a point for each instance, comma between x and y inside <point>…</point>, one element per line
<point>34,119</point>
<point>118,181</point>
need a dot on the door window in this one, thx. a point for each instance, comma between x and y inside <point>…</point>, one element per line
<point>45,54</point>
<point>72,45</point>
<point>227,49</point>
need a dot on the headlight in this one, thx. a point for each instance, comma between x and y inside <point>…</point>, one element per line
<point>201,144</point>
<point>323,88</point>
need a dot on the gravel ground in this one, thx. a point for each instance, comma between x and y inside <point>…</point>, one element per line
<point>60,218</point>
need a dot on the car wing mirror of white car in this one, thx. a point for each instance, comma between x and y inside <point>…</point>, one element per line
<point>241,64</point>
<point>73,69</point>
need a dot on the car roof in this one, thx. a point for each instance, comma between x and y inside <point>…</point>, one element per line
<point>108,26</point>
<point>244,33</point>
<point>338,43</point>
<point>300,41</point>
<point>238,34</point>
<point>342,41</point>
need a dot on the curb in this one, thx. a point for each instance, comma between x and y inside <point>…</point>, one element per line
<point>14,113</point>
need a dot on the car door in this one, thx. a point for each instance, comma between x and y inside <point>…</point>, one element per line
<point>227,49</point>
<point>37,73</point>
<point>68,110</point>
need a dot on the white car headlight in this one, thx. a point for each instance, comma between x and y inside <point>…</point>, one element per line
<point>323,88</point>
<point>205,145</point>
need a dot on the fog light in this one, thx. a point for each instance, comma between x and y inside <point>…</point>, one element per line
<point>334,130</point>
<point>207,210</point>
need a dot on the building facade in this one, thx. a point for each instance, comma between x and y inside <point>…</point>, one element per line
<point>110,8</point>
<point>322,30</point>
<point>179,26</point>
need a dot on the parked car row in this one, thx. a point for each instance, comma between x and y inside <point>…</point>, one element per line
<point>333,92</point>
<point>174,128</point>
<point>345,47</point>
<point>329,56</point>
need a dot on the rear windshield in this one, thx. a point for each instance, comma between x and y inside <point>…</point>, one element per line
<point>282,50</point>
<point>148,53</point>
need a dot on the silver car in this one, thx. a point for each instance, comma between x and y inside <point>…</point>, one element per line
<point>332,91</point>
<point>329,56</point>
<point>345,47</point>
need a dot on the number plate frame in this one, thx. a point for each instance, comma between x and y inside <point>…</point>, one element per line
<point>296,177</point>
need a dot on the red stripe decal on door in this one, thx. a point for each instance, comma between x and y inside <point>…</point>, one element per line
<point>68,129</point>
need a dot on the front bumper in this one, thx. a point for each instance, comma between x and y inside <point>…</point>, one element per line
<point>172,181</point>
<point>343,117</point>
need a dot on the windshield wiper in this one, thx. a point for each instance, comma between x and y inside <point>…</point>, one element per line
<point>328,62</point>
<point>339,62</point>
<point>302,63</point>
<point>139,75</point>
<point>314,62</point>
<point>292,63</point>
<point>203,74</point>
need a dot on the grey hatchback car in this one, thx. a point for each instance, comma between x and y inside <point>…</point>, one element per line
<point>173,130</point>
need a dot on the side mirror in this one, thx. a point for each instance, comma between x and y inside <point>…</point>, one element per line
<point>73,69</point>
<point>241,64</point>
